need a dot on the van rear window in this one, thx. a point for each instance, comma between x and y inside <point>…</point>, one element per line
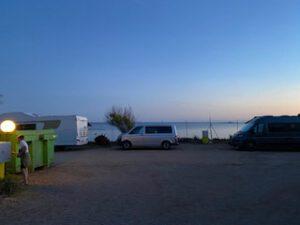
<point>284,127</point>
<point>158,130</point>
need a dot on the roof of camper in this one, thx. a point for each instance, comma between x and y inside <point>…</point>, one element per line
<point>24,117</point>
<point>63,116</point>
<point>18,116</point>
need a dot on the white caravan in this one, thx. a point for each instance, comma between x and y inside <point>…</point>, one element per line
<point>71,130</point>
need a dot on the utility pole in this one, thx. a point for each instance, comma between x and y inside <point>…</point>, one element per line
<point>186,129</point>
<point>210,127</point>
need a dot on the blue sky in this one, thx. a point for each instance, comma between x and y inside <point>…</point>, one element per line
<point>169,60</point>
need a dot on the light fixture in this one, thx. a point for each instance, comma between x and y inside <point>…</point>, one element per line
<point>7,126</point>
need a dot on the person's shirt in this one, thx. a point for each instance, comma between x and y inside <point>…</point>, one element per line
<point>23,148</point>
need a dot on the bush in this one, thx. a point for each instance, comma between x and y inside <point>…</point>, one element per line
<point>186,140</point>
<point>10,185</point>
<point>197,140</point>
<point>102,140</point>
<point>122,118</point>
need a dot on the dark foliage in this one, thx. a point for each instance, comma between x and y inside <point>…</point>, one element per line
<point>122,118</point>
<point>10,185</point>
<point>102,140</point>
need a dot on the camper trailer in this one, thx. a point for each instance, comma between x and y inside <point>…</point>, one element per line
<point>71,130</point>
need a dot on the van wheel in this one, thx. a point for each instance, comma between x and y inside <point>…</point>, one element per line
<point>126,145</point>
<point>166,145</point>
<point>250,146</point>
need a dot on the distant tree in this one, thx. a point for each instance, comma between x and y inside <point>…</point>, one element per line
<point>122,118</point>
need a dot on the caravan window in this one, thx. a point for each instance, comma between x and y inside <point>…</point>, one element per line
<point>51,124</point>
<point>26,127</point>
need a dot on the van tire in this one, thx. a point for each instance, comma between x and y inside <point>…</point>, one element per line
<point>126,145</point>
<point>166,145</point>
<point>249,146</point>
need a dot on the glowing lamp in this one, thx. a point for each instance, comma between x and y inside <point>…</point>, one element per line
<point>7,126</point>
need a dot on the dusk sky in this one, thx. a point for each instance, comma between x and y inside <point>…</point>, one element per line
<point>170,60</point>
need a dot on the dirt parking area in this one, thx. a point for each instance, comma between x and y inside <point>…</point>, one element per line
<point>189,185</point>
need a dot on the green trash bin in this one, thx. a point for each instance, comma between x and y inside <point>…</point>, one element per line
<point>41,148</point>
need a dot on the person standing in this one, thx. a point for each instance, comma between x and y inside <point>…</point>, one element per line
<point>25,158</point>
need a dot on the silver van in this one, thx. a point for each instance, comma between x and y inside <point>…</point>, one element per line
<point>150,136</point>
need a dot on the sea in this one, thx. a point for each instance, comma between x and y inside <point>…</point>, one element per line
<point>220,130</point>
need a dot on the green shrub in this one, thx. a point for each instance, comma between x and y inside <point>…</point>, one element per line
<point>122,118</point>
<point>10,185</point>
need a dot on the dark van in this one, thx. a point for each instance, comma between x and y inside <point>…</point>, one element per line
<point>266,131</point>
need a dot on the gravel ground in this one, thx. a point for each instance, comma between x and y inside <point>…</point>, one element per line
<point>190,185</point>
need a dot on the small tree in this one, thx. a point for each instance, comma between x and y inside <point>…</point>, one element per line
<point>122,118</point>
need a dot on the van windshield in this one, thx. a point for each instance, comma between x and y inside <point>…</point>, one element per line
<point>247,126</point>
<point>136,130</point>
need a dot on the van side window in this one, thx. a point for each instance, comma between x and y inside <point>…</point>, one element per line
<point>158,130</point>
<point>259,128</point>
<point>136,130</point>
<point>284,127</point>
<point>295,127</point>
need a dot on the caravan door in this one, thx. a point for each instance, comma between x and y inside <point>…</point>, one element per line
<point>82,131</point>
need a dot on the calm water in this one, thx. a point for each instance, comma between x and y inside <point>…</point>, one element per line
<point>189,129</point>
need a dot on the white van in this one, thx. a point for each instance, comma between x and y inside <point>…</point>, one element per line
<point>150,136</point>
